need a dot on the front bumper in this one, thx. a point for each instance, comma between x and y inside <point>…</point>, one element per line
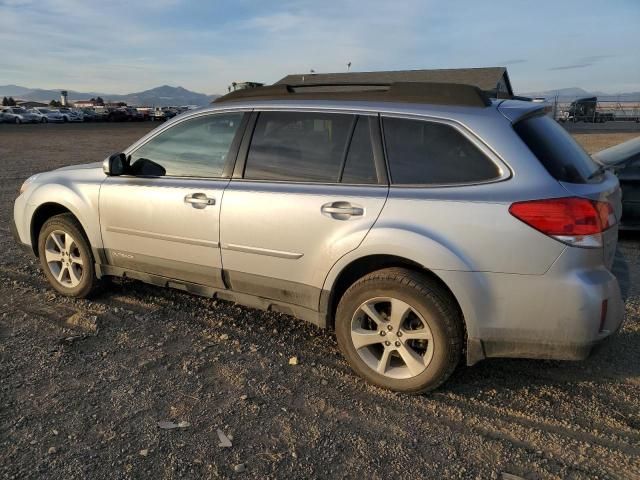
<point>14,231</point>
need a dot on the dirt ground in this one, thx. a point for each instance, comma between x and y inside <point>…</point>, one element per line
<point>84,383</point>
<point>594,142</point>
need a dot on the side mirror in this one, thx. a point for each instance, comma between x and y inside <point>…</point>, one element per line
<point>115,165</point>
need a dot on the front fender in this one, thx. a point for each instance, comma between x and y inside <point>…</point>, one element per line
<point>81,199</point>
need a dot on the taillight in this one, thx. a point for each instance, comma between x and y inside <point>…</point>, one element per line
<point>573,220</point>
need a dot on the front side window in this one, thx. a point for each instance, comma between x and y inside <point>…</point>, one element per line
<point>298,146</point>
<point>431,153</point>
<point>194,148</point>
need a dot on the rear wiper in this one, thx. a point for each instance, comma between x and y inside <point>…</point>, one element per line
<point>599,171</point>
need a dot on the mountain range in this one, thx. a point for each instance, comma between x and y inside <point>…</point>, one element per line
<point>159,96</point>
<point>168,96</point>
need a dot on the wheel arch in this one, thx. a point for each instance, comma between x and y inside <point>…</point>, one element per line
<point>362,266</point>
<point>43,213</point>
<point>420,251</point>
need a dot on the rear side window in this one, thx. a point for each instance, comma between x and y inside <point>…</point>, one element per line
<point>556,150</point>
<point>298,146</point>
<point>359,166</point>
<point>430,153</point>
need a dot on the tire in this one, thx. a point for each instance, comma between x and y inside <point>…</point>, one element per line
<point>433,320</point>
<point>76,279</point>
<point>44,120</point>
<point>18,121</point>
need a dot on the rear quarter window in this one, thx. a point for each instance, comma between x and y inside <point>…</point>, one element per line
<point>556,150</point>
<point>423,152</point>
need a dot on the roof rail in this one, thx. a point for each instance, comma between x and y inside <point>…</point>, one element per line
<point>404,92</point>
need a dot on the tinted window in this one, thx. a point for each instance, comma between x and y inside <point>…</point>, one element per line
<point>193,148</point>
<point>359,166</point>
<point>298,146</point>
<point>563,158</point>
<point>427,153</point>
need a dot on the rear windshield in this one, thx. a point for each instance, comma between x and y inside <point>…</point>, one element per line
<point>560,154</point>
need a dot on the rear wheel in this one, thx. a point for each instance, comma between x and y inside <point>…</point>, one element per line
<point>65,256</point>
<point>400,330</point>
<point>44,120</point>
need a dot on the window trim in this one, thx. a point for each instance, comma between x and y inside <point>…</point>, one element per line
<point>374,132</point>
<point>233,148</point>
<point>504,170</point>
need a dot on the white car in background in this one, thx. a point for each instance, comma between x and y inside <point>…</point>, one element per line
<point>47,115</point>
<point>17,115</point>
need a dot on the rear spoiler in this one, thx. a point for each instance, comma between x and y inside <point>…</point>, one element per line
<point>628,151</point>
<point>515,110</point>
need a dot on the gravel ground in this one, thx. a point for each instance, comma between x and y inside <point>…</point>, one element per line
<point>84,383</point>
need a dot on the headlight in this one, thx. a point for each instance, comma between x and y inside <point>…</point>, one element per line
<point>27,182</point>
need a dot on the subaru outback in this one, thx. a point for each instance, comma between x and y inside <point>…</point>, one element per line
<point>424,223</point>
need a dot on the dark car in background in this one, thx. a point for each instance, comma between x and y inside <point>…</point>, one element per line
<point>118,115</point>
<point>624,161</point>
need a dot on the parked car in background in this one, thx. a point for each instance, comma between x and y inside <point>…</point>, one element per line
<point>118,115</point>
<point>41,118</point>
<point>69,115</point>
<point>90,115</point>
<point>163,113</point>
<point>18,115</point>
<point>48,115</point>
<point>624,161</point>
<point>134,114</point>
<point>424,223</point>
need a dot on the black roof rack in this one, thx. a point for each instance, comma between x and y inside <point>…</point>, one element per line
<point>404,92</point>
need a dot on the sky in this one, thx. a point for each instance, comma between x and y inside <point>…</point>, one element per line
<point>123,46</point>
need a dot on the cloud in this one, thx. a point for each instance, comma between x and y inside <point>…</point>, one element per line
<point>571,67</point>
<point>595,58</point>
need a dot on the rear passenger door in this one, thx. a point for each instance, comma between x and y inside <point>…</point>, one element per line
<point>307,188</point>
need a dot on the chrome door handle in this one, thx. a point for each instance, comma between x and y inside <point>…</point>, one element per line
<point>199,200</point>
<point>342,210</point>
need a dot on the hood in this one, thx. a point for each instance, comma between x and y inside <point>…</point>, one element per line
<point>619,154</point>
<point>82,166</point>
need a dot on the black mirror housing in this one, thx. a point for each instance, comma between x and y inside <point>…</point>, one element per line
<point>115,165</point>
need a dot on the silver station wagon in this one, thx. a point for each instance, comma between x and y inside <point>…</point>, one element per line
<point>425,223</point>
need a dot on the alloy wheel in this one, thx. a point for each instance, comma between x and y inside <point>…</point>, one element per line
<point>64,259</point>
<point>392,338</point>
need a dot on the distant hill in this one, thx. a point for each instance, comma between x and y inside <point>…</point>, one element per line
<point>159,96</point>
<point>566,94</point>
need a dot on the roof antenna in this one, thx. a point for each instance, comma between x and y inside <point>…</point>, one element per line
<point>348,66</point>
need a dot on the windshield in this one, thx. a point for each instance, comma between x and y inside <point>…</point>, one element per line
<point>19,110</point>
<point>556,150</point>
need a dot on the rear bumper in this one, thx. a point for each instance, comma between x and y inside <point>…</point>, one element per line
<point>558,315</point>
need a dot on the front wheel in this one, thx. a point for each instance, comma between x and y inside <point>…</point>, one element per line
<point>400,330</point>
<point>18,121</point>
<point>65,256</point>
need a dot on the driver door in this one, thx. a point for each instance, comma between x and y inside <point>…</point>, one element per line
<point>162,217</point>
